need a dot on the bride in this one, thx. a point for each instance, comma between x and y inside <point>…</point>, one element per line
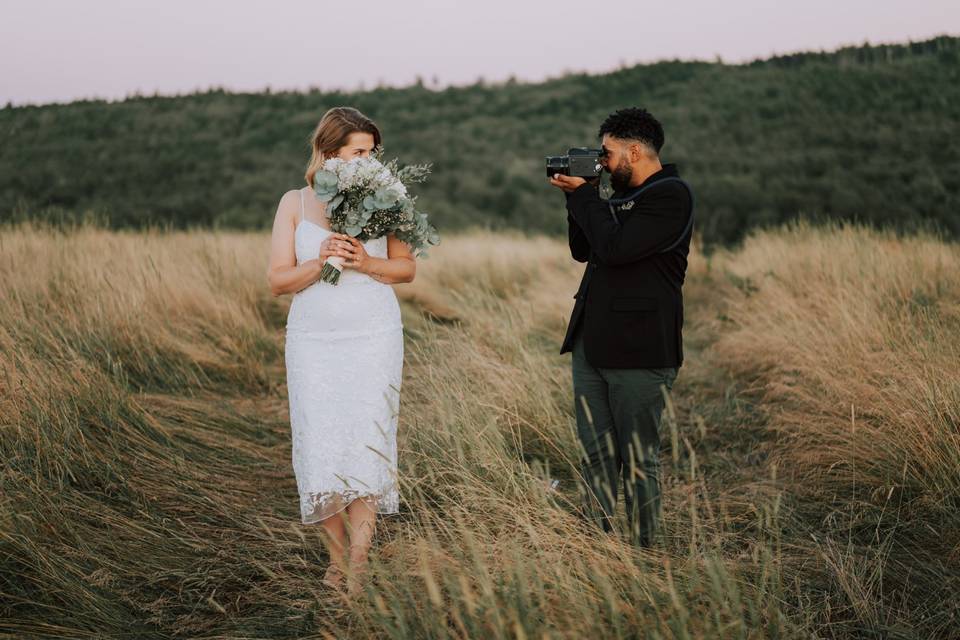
<point>344,357</point>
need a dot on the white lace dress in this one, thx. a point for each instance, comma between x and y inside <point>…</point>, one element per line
<point>344,357</point>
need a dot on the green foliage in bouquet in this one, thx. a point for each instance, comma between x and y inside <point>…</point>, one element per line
<point>367,199</point>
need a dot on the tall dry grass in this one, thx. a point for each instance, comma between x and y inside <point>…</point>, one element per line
<point>147,488</point>
<point>850,338</point>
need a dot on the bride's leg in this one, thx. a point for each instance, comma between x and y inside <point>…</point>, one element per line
<point>362,513</point>
<point>336,539</point>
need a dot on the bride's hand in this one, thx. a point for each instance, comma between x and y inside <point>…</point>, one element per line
<point>357,256</point>
<point>334,245</point>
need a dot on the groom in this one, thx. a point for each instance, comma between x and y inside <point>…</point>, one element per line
<point>625,330</point>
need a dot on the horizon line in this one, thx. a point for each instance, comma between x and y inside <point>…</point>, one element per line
<point>511,78</point>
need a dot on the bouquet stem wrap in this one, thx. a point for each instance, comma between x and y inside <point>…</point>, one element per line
<point>332,269</point>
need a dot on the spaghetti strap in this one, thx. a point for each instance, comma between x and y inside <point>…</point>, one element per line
<point>301,204</point>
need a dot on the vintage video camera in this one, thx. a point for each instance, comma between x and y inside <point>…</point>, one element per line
<point>579,162</point>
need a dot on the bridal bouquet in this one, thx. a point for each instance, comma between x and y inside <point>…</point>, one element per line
<point>368,199</point>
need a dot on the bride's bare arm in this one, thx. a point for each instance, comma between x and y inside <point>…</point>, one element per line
<point>283,273</point>
<point>399,266</point>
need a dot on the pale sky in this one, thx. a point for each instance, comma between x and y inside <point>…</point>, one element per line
<point>62,50</point>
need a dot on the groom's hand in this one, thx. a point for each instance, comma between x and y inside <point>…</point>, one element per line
<point>566,183</point>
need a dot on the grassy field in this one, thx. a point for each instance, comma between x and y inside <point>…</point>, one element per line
<point>812,455</point>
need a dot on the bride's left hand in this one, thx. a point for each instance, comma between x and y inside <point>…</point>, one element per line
<point>357,257</point>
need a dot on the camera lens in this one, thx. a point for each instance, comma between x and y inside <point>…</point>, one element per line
<point>557,164</point>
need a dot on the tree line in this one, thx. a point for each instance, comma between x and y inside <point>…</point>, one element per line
<point>862,133</point>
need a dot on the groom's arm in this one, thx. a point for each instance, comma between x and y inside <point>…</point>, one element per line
<point>579,247</point>
<point>655,221</point>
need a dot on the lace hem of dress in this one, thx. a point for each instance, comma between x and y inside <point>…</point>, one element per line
<point>315,507</point>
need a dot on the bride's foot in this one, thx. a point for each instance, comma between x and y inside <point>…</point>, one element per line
<point>334,576</point>
<point>356,580</point>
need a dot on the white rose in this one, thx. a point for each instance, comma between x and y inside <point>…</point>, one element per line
<point>369,169</point>
<point>348,173</point>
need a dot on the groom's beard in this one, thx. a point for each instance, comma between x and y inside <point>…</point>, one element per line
<point>620,177</point>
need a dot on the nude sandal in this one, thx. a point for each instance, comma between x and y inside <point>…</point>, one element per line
<point>333,577</point>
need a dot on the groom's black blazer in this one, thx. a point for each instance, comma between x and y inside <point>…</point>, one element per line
<point>630,302</point>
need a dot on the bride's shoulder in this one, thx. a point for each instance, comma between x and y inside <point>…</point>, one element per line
<point>291,197</point>
<point>289,205</point>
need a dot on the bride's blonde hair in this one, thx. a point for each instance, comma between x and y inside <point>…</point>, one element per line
<point>333,131</point>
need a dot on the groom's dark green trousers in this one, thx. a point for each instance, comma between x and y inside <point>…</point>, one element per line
<point>618,424</point>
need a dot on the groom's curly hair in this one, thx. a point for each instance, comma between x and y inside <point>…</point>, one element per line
<point>634,123</point>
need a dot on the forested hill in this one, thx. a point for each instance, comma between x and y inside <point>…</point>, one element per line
<point>866,133</point>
